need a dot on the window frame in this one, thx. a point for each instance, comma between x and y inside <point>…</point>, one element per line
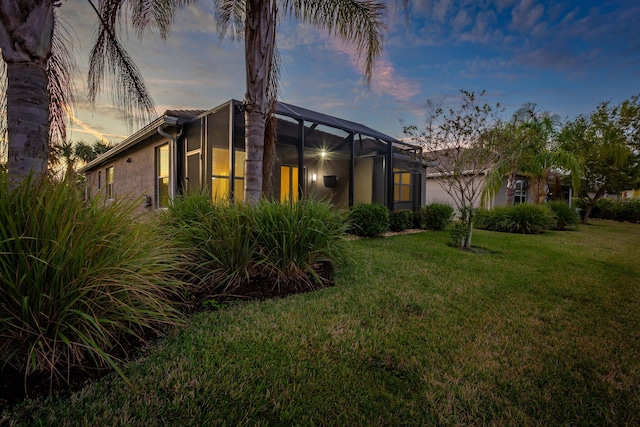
<point>398,185</point>
<point>159,176</point>
<point>108,182</point>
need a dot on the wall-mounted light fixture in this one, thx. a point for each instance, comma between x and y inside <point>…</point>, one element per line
<point>314,177</point>
<point>323,154</point>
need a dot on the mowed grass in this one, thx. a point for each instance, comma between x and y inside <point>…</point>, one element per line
<point>529,330</point>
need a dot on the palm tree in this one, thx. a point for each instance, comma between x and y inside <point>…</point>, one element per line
<point>78,153</point>
<point>38,68</point>
<point>527,144</point>
<point>360,22</point>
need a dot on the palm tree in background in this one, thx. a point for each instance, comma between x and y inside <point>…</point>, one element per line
<point>528,147</point>
<point>360,22</point>
<point>76,154</point>
<point>37,72</point>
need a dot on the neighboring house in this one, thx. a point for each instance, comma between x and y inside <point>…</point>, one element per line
<point>317,155</point>
<point>523,192</point>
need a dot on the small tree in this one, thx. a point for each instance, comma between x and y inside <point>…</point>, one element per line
<point>458,145</point>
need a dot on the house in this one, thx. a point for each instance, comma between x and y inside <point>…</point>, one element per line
<point>317,156</point>
<point>526,191</point>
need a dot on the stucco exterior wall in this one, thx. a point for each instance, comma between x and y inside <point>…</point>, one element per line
<point>134,174</point>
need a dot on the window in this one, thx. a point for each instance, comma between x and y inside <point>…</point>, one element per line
<point>220,183</point>
<point>288,183</point>
<point>401,186</point>
<point>220,173</point>
<point>520,192</point>
<point>162,171</point>
<point>109,183</point>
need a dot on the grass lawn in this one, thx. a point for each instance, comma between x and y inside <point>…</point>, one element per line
<point>537,329</point>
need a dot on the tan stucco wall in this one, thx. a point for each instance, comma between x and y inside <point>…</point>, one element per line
<point>134,174</point>
<point>363,181</point>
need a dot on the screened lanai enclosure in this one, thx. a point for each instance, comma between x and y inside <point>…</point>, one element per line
<point>317,156</point>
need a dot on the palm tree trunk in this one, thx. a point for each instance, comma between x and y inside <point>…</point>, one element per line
<point>269,159</point>
<point>26,34</point>
<point>27,119</point>
<point>260,28</point>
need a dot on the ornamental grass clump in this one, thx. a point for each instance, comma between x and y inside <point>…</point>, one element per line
<point>523,218</point>
<point>295,239</point>
<point>565,215</point>
<point>231,244</point>
<point>217,238</point>
<point>78,279</point>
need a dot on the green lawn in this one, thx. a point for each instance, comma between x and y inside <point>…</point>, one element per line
<point>530,330</point>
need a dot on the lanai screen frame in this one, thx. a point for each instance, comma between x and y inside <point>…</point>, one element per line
<point>355,131</point>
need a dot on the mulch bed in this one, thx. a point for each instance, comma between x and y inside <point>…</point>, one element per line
<point>14,387</point>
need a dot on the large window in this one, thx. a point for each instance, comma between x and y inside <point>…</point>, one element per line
<point>162,173</point>
<point>521,192</point>
<point>401,186</point>
<point>220,185</point>
<point>288,183</point>
<point>109,183</point>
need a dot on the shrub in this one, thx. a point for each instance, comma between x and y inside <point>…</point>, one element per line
<point>217,238</point>
<point>400,220</point>
<point>605,208</point>
<point>77,278</point>
<point>618,210</point>
<point>229,244</point>
<point>434,216</point>
<point>565,215</point>
<point>293,239</point>
<point>629,210</point>
<point>369,220</point>
<point>523,218</point>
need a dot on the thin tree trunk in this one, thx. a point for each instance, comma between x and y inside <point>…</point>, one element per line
<point>259,47</point>
<point>588,207</point>
<point>27,119</point>
<point>511,187</point>
<point>269,152</point>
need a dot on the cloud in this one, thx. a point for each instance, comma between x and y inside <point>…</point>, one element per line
<point>526,15</point>
<point>385,79</point>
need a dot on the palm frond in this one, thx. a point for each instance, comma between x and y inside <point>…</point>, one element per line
<point>153,14</point>
<point>60,68</point>
<point>109,60</point>
<point>229,18</point>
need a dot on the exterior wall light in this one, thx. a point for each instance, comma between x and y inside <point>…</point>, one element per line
<point>314,177</point>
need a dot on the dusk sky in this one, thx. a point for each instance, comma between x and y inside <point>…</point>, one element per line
<point>565,56</point>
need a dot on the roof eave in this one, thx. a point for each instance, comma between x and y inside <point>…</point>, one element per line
<point>132,140</point>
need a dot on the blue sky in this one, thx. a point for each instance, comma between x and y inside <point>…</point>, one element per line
<point>565,56</point>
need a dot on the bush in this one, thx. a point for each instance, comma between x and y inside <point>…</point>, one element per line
<point>434,216</point>
<point>229,244</point>
<point>369,220</point>
<point>293,239</point>
<point>217,239</point>
<point>77,279</point>
<point>523,218</point>
<point>618,210</point>
<point>400,220</point>
<point>629,210</point>
<point>565,215</point>
<point>605,208</point>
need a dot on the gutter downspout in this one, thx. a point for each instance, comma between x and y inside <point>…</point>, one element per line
<point>173,170</point>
